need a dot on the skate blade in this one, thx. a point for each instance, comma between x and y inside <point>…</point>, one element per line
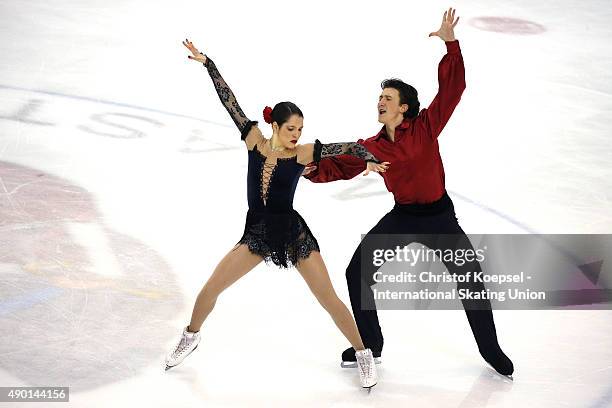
<point>504,377</point>
<point>353,364</point>
<point>169,367</point>
<point>369,388</point>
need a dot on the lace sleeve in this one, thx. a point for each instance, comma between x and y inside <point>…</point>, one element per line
<point>228,99</point>
<point>322,151</point>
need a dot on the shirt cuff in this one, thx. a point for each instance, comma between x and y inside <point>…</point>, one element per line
<point>452,47</point>
<point>316,154</point>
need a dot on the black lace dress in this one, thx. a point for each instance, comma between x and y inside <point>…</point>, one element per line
<point>273,229</point>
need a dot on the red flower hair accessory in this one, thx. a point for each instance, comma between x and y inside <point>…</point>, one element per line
<point>267,114</point>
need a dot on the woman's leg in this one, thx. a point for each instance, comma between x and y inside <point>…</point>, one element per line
<point>237,263</point>
<point>315,274</point>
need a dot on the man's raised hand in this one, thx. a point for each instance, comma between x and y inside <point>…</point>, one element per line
<point>446,31</point>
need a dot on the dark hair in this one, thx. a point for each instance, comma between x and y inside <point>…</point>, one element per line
<point>282,112</point>
<point>408,95</point>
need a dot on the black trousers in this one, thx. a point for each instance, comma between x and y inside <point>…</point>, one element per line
<point>435,218</point>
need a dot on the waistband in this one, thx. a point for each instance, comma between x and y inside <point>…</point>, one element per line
<point>442,204</point>
<point>270,212</point>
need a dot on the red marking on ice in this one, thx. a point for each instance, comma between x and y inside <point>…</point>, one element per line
<point>507,25</point>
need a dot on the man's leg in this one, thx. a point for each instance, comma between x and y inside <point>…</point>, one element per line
<point>478,312</point>
<point>363,305</point>
<point>359,283</point>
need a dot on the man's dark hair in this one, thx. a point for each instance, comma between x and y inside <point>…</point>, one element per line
<point>408,95</point>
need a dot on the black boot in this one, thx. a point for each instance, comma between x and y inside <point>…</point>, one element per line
<point>483,328</point>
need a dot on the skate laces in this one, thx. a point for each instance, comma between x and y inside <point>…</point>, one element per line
<point>365,367</point>
<point>182,345</point>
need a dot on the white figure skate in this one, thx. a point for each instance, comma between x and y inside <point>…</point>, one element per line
<point>367,368</point>
<point>187,344</point>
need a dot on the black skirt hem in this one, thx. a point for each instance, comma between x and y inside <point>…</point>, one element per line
<point>279,238</point>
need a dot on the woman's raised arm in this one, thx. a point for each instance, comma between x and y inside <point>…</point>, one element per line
<point>249,132</point>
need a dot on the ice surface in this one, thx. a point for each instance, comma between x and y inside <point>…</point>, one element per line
<point>122,184</point>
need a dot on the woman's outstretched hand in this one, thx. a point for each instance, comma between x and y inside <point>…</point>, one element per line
<point>197,55</point>
<point>377,167</point>
<point>446,30</point>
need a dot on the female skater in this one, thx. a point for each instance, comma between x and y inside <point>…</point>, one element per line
<point>274,231</point>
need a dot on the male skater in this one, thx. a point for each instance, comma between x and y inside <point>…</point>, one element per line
<point>408,140</point>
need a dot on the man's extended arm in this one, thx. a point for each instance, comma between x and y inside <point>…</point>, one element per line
<point>451,80</point>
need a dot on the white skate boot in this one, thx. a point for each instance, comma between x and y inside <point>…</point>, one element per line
<point>367,368</point>
<point>186,345</point>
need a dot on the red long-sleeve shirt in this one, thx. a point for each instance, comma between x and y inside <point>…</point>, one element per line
<point>416,173</point>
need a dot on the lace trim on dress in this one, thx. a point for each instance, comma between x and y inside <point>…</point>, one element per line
<point>262,239</point>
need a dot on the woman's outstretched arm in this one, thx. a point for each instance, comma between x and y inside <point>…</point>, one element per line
<point>314,152</point>
<point>249,132</point>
